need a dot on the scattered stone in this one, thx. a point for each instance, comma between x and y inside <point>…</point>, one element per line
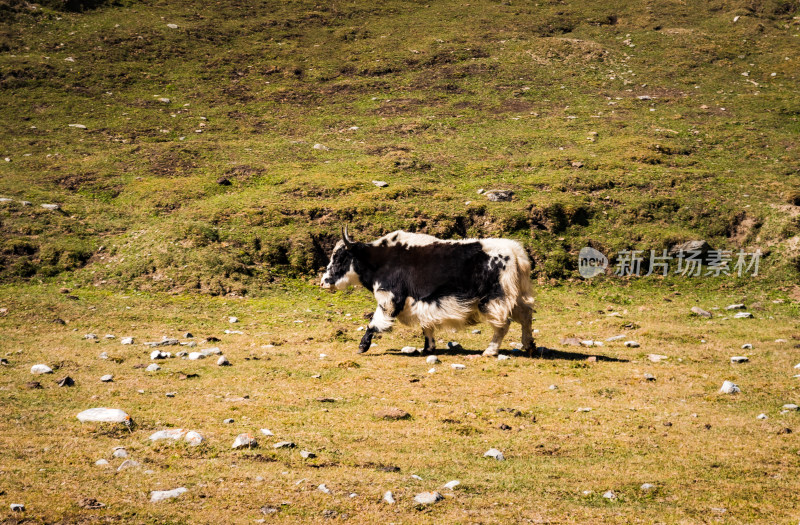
<point>476,331</point>
<point>609,495</point>
<point>691,246</point>
<point>503,426</point>
<point>193,438</point>
<point>380,183</point>
<point>780,340</point>
<point>450,485</point>
<point>90,503</point>
<point>747,346</point>
<point>128,463</point>
<point>172,26</point>
<point>743,315</point>
<point>305,454</point>
<point>326,400</point>
<point>284,444</point>
<point>647,487</point>
<point>761,416</point>
<point>211,351</point>
<point>170,433</point>
<point>576,164</point>
<point>632,344</point>
<point>188,335</point>
<point>51,207</point>
<point>245,441</point>
<point>432,360</point>
<point>267,511</point>
<point>432,370</point>
<point>109,336</point>
<point>120,452</point>
<point>700,312</point>
<point>552,387</point>
<point>90,337</point>
<point>158,354</point>
<point>103,355</point>
<point>223,361</point>
<point>33,385</point>
<point>324,489</point>
<point>739,359</point>
<point>41,369</point>
<point>171,394</point>
<point>591,359</point>
<point>231,332</point>
<point>162,495</point>
<point>656,358</point>
<point>66,381</point>
<point>499,195</point>
<point>102,463</point>
<point>17,507</point>
<point>321,147</point>
<point>228,421</point>
<point>615,338</point>
<point>108,378</point>
<point>392,414</point>
<point>267,432</point>
<point>458,366</point>
<point>791,406</point>
<point>729,387</point>
<point>735,307</point>
<point>503,357</point>
<point>153,367</point>
<point>104,415</point>
<point>194,356</point>
<point>584,409</point>
<point>494,453</point>
<point>428,498</point>
<point>454,346</point>
<point>408,350</point>
<point>571,341</point>
<point>126,340</point>
<point>388,497</point>
<point>649,377</point>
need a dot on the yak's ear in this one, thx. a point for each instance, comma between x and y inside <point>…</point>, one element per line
<point>346,238</point>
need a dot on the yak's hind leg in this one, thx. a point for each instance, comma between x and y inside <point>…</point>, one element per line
<point>523,314</point>
<point>499,333</point>
<point>430,342</point>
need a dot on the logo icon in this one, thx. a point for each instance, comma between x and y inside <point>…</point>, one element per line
<point>591,262</point>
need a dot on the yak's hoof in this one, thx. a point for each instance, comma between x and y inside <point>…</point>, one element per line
<point>362,349</point>
<point>490,352</point>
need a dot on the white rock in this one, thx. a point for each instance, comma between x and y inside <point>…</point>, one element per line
<point>747,346</point>
<point>739,359</point>
<point>380,183</point>
<point>743,315</point>
<point>164,100</point>
<point>79,126</point>
<point>194,356</point>
<point>193,438</point>
<point>120,453</point>
<point>126,341</point>
<point>647,487</point>
<point>267,432</point>
<point>632,344</point>
<point>170,433</point>
<point>162,495</point>
<point>791,406</point>
<point>323,356</point>
<point>615,338</point>
<point>322,488</point>
<point>735,307</point>
<point>128,463</point>
<point>109,336</point>
<point>223,361</point>
<point>211,351</point>
<point>103,355</point>
<point>729,388</point>
<point>552,387</point>
<point>450,485</point>
<point>458,366</point>
<point>428,498</point>
<point>101,463</point>
<point>609,495</point>
<point>158,354</point>
<point>153,367</point>
<point>284,444</point>
<point>503,357</point>
<point>17,507</point>
<point>388,497</point>
<point>305,454</point>
<point>780,340</point>
<point>321,147</point>
<point>171,394</point>
<point>432,360</point>
<point>656,358</point>
<point>41,369</point>
<point>736,18</point>
<point>244,441</point>
<point>229,421</point>
<point>584,409</point>
<point>761,416</point>
<point>172,26</point>
<point>104,415</point>
<point>107,378</point>
<point>90,337</point>
<point>432,371</point>
<point>494,453</point>
<point>408,350</point>
<point>233,319</point>
<point>649,377</point>
<point>416,477</point>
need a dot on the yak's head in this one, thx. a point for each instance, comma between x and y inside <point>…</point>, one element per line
<point>341,270</point>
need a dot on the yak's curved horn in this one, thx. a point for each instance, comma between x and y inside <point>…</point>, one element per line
<point>346,238</point>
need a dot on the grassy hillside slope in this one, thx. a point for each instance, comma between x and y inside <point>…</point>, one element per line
<point>617,125</point>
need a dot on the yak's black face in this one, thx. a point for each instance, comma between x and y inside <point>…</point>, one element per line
<point>341,269</point>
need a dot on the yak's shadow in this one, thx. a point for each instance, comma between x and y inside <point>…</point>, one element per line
<point>540,353</point>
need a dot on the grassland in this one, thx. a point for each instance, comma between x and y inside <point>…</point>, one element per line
<point>195,192</point>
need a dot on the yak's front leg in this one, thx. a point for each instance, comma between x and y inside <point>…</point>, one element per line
<point>382,319</point>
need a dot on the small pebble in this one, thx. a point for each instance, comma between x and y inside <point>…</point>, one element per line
<point>223,361</point>
<point>108,378</point>
<point>244,441</point>
<point>647,487</point>
<point>739,359</point>
<point>161,495</point>
<point>494,453</point>
<point>432,360</point>
<point>324,489</point>
<point>457,366</point>
<point>120,453</point>
<point>452,484</point>
<point>428,498</point>
<point>305,454</point>
<point>126,341</point>
<point>632,344</point>
<point>388,497</point>
<point>761,416</point>
<point>729,387</point>
<point>267,432</point>
<point>284,444</point>
<point>228,421</point>
<point>609,495</point>
<point>153,367</point>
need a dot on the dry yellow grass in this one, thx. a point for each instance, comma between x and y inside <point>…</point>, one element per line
<point>703,451</point>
